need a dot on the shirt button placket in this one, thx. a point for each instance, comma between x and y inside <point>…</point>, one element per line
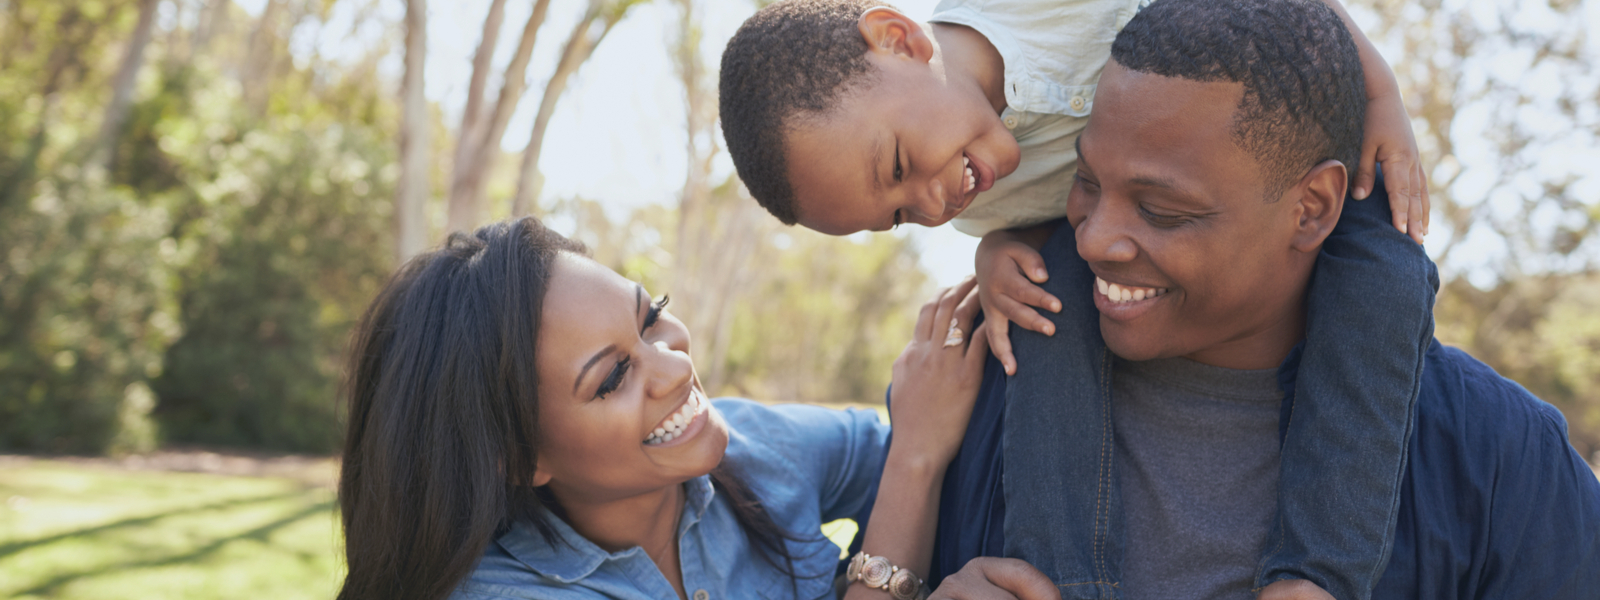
<point>1010,121</point>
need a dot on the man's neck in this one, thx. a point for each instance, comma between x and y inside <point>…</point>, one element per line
<point>968,56</point>
<point>1264,347</point>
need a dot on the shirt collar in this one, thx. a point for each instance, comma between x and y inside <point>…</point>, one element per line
<point>573,557</point>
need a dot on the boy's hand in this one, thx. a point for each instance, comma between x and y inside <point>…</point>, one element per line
<point>1387,139</point>
<point>937,377</point>
<point>1008,272</point>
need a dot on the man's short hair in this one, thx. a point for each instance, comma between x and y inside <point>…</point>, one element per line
<point>794,58</point>
<point>1304,96</point>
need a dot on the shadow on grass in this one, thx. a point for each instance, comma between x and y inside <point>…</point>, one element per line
<point>15,547</point>
<point>260,534</point>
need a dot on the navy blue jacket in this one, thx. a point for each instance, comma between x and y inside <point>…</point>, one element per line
<point>1495,502</point>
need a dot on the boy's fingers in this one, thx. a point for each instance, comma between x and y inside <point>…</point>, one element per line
<point>1031,264</point>
<point>1419,203</point>
<point>1366,173</point>
<point>1024,316</point>
<point>1399,185</point>
<point>1427,204</point>
<point>997,329</point>
<point>1025,291</point>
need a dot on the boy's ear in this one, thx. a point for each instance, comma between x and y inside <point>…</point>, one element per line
<point>1321,197</point>
<point>887,30</point>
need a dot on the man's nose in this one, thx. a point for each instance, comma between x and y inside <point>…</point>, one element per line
<point>1103,236</point>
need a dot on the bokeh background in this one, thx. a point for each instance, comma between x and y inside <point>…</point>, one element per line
<point>198,198</point>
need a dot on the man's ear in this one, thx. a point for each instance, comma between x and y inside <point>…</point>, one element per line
<point>1321,197</point>
<point>889,31</point>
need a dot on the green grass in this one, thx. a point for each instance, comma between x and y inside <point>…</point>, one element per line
<point>76,531</point>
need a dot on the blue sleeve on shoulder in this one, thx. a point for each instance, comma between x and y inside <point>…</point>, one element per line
<point>839,453</point>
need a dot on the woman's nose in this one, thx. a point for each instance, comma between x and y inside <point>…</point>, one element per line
<point>671,371</point>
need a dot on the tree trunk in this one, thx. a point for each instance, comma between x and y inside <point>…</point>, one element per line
<point>580,46</point>
<point>411,195</point>
<point>472,122</point>
<point>467,207</point>
<point>259,58</point>
<point>122,86</point>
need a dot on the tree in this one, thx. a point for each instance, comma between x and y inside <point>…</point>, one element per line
<point>411,194</point>
<point>127,76</point>
<point>478,142</point>
<point>586,35</point>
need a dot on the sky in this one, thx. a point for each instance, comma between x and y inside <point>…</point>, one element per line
<point>617,135</point>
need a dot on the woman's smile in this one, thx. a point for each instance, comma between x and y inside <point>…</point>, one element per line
<point>683,422</point>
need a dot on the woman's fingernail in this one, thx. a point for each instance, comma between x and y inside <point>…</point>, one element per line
<point>1360,193</point>
<point>1055,307</point>
<point>1049,330</point>
<point>1039,274</point>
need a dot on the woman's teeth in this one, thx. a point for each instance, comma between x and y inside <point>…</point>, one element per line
<point>971,179</point>
<point>672,426</point>
<point>1119,293</point>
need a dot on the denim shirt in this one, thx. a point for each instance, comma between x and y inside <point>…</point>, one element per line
<point>1494,503</point>
<point>807,465</point>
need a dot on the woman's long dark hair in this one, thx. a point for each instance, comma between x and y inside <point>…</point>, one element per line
<point>444,418</point>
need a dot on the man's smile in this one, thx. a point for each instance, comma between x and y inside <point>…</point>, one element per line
<point>1124,302</point>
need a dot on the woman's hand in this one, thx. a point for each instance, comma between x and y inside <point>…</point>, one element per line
<point>936,378</point>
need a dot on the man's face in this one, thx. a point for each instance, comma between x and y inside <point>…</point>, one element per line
<point>897,150</point>
<point>1170,213</point>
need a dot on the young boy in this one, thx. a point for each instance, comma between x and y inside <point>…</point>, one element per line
<point>845,115</point>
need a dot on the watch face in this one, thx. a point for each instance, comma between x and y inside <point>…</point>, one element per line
<point>876,572</point>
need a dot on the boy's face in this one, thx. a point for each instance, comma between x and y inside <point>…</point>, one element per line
<point>898,149</point>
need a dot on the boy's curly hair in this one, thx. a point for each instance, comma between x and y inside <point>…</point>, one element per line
<point>794,58</point>
<point>1305,98</point>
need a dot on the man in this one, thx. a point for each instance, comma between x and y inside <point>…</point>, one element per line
<point>1186,192</point>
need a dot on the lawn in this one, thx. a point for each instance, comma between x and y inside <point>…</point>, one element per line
<point>93,529</point>
<point>72,530</point>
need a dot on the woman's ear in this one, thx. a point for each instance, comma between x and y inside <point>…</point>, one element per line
<point>1321,198</point>
<point>889,31</point>
<point>541,476</point>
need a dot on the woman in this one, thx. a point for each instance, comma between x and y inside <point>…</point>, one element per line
<point>526,423</point>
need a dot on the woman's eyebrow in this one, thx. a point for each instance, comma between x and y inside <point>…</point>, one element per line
<point>606,351</point>
<point>638,304</point>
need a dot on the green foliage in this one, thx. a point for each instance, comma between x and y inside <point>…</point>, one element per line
<point>219,261</point>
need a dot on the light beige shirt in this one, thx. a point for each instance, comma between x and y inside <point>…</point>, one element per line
<point>1054,52</point>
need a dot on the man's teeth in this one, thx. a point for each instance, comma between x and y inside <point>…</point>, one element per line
<point>672,426</point>
<point>1120,293</point>
<point>971,179</point>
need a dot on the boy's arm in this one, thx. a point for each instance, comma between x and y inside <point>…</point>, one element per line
<point>1008,268</point>
<point>1388,139</point>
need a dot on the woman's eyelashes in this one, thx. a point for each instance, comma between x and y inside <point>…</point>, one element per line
<point>614,379</point>
<point>654,313</point>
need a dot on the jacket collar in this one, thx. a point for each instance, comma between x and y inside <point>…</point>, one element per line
<point>573,557</point>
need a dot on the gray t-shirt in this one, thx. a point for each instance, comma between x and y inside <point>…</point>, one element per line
<point>1197,457</point>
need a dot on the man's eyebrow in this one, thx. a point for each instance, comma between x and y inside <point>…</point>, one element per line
<point>604,352</point>
<point>875,158</point>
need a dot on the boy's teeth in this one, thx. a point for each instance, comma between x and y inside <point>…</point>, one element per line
<point>1117,293</point>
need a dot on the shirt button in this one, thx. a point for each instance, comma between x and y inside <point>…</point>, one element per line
<point>1011,121</point>
<point>701,595</point>
<point>1078,102</point>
